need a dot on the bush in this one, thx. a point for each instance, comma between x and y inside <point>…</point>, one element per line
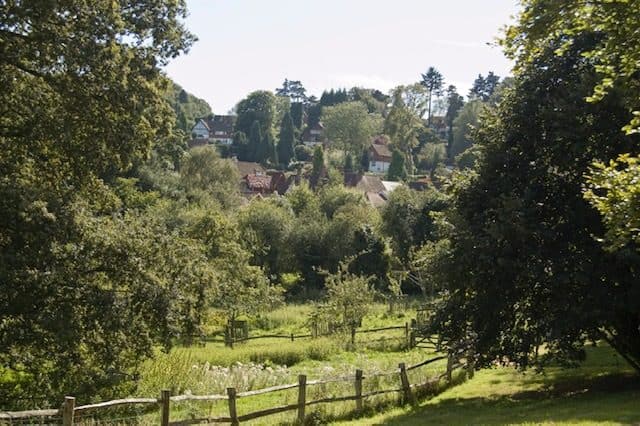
<point>303,153</point>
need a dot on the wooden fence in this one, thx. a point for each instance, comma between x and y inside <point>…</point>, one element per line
<point>407,391</point>
<point>228,340</point>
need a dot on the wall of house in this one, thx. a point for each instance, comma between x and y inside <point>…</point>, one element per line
<point>378,166</point>
<point>223,141</point>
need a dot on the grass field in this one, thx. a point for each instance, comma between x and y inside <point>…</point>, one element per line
<point>603,390</point>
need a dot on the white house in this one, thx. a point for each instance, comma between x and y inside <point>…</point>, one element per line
<point>218,129</point>
<point>379,156</point>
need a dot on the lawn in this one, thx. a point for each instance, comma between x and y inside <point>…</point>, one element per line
<point>603,390</point>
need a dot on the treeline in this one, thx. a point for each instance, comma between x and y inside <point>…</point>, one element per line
<point>425,126</point>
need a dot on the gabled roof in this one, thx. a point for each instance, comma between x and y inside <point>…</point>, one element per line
<point>364,183</point>
<point>222,123</point>
<point>380,152</point>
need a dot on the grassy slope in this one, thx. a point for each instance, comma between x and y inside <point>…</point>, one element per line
<point>601,391</point>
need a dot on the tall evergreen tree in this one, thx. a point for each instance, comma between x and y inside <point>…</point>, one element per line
<point>297,114</point>
<point>433,81</point>
<point>454,103</point>
<point>287,140</point>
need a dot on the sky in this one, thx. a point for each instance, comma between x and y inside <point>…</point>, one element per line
<point>247,45</point>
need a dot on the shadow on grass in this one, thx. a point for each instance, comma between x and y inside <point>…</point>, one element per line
<point>599,399</point>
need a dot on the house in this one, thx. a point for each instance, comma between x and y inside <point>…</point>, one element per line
<point>379,156</point>
<point>313,135</point>
<point>218,129</point>
<point>375,190</point>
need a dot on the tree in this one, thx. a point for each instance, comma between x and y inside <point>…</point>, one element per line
<point>287,140</point>
<point>318,161</point>
<point>258,106</point>
<point>203,170</point>
<point>397,170</point>
<point>403,123</point>
<point>349,297</point>
<point>483,87</point>
<point>463,124</point>
<point>616,56</point>
<point>364,160</point>
<point>297,114</point>
<point>350,126</point>
<point>455,102</point>
<point>292,89</point>
<point>348,163</point>
<point>87,292</point>
<point>523,269</point>
<point>255,149</point>
<point>432,80</point>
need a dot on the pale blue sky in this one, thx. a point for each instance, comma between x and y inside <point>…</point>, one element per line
<point>246,45</point>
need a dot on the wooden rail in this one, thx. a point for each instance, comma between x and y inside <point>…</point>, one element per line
<point>406,390</point>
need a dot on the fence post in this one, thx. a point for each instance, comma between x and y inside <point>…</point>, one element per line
<point>353,335</point>
<point>358,384</point>
<point>67,410</point>
<point>233,413</point>
<point>412,339</point>
<point>165,394</point>
<point>302,396</point>
<point>406,387</point>
<point>406,334</point>
<point>292,337</point>
<point>449,367</point>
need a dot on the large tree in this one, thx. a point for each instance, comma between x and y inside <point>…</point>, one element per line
<point>258,106</point>
<point>525,277</point>
<point>85,293</point>
<point>350,125</point>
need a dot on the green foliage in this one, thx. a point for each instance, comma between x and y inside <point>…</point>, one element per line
<point>318,161</point>
<point>614,190</point>
<point>287,140</point>
<point>431,155</point>
<point>88,286</point>
<point>258,106</point>
<point>349,297</point>
<point>202,169</point>
<point>397,169</point>
<point>484,87</point>
<point>403,124</point>
<point>303,153</point>
<point>408,219</point>
<point>466,120</point>
<point>433,81</point>
<point>350,126</point>
<point>523,269</point>
<point>265,225</point>
<point>187,107</point>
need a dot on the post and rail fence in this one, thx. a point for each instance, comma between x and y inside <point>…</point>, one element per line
<point>68,414</point>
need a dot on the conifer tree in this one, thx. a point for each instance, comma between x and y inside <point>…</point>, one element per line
<point>287,140</point>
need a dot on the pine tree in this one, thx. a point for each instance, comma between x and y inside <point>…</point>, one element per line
<point>287,140</point>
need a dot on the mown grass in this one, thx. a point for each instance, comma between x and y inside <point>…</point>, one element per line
<point>603,390</point>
